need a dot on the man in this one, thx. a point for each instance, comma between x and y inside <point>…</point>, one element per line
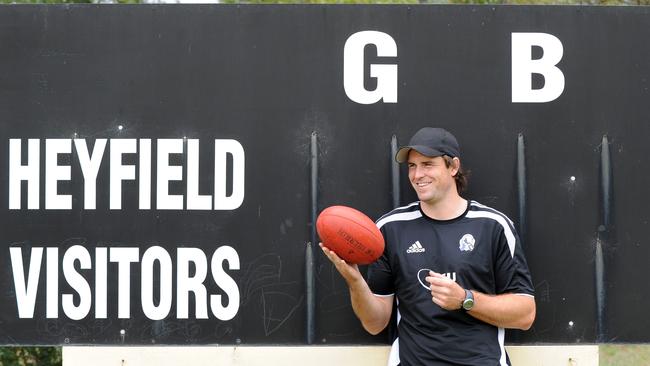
<point>456,268</point>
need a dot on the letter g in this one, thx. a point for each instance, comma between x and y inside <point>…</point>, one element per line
<point>353,68</point>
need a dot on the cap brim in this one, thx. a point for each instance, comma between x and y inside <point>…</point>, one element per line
<point>403,153</point>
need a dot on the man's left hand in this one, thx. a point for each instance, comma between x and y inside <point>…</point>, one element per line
<point>445,292</point>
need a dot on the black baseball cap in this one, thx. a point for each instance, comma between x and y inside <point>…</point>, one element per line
<point>431,142</point>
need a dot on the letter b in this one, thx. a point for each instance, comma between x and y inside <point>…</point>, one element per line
<point>523,67</point>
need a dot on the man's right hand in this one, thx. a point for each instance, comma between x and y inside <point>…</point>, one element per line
<point>373,311</point>
<point>349,272</point>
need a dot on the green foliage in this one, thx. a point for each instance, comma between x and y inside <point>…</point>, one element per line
<point>624,354</point>
<point>30,356</point>
<point>474,2</point>
<point>67,1</point>
<point>320,1</point>
<point>46,1</point>
<point>552,2</point>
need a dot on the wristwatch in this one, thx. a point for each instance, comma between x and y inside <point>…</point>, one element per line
<point>468,303</point>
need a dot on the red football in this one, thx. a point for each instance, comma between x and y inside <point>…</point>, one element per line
<point>352,235</point>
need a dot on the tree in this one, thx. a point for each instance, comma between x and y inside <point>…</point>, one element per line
<point>28,356</point>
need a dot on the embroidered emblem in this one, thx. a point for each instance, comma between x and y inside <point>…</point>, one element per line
<point>467,243</point>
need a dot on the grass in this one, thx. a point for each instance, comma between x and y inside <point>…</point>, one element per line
<point>624,354</point>
<point>609,355</point>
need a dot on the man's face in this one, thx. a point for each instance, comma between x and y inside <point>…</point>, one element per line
<point>430,177</point>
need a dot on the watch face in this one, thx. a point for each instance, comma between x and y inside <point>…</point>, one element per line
<point>468,303</point>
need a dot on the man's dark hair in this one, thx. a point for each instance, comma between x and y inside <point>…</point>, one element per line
<point>461,175</point>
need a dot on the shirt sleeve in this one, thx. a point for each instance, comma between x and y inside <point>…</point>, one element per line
<point>511,269</point>
<point>380,275</point>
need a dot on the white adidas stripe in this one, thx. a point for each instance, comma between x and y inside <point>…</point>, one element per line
<point>474,203</point>
<point>393,356</point>
<point>404,216</point>
<point>510,237</point>
<point>501,335</point>
<point>407,206</point>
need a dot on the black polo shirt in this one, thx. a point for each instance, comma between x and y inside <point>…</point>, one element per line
<point>480,250</point>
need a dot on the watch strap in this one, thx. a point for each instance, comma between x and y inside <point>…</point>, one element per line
<point>468,303</point>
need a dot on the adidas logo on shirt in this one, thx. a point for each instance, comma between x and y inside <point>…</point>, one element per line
<point>415,248</point>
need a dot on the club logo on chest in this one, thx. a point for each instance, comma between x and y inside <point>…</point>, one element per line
<point>467,243</point>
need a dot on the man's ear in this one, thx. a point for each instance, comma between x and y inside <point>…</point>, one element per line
<point>455,166</point>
